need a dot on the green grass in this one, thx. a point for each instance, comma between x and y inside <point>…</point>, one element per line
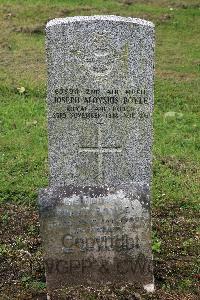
<point>23,116</point>
<point>176,163</point>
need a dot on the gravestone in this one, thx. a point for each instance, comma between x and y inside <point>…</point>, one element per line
<point>95,215</point>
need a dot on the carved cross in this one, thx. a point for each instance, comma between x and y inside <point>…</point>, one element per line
<point>100,150</point>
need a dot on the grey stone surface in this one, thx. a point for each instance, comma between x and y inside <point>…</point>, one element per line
<point>95,216</point>
<point>100,100</point>
<point>95,235</point>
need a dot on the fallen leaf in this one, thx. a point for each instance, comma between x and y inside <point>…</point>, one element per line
<point>21,89</point>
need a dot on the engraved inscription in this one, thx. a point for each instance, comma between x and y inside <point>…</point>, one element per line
<point>74,103</point>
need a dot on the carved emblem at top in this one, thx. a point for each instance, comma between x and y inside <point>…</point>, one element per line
<point>101,56</point>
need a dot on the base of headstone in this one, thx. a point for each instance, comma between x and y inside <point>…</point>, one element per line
<point>96,235</point>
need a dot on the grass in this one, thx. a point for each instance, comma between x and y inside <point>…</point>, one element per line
<point>176,164</point>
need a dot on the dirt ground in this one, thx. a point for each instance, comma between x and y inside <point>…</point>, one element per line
<point>175,260</point>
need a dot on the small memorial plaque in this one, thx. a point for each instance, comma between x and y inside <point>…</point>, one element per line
<point>95,235</point>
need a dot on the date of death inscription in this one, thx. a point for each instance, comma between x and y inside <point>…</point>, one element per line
<point>73,103</point>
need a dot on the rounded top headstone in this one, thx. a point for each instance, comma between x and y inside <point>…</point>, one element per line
<point>112,18</point>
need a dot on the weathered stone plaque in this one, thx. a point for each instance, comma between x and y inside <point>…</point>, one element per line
<point>96,235</point>
<point>95,217</point>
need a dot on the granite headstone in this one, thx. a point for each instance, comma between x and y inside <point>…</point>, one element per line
<point>95,216</point>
